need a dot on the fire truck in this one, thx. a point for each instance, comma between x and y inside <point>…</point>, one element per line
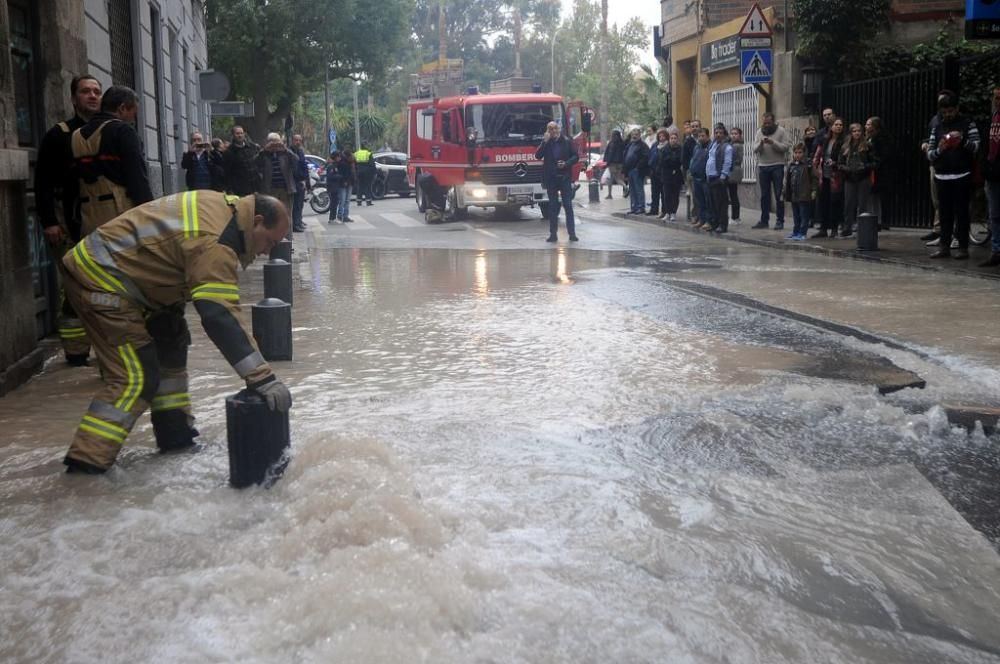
<point>480,148</point>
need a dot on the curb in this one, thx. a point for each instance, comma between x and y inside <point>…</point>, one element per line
<point>872,257</point>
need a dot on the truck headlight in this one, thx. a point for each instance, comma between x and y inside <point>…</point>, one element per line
<point>479,192</point>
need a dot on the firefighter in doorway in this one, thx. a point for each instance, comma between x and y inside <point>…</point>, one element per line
<point>56,202</point>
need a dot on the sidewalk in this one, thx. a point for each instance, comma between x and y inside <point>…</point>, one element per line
<point>896,246</point>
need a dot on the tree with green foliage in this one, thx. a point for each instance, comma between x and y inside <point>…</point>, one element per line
<point>836,33</point>
<point>579,58</point>
<point>274,50</point>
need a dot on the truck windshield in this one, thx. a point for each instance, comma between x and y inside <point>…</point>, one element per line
<point>515,123</point>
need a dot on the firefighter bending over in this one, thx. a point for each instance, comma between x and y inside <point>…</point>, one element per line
<point>146,263</point>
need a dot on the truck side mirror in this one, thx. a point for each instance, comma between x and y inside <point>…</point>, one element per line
<point>470,137</point>
<point>585,121</point>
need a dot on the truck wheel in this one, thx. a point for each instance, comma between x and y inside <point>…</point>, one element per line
<point>421,199</point>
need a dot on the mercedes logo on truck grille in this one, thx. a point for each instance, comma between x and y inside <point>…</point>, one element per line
<point>520,169</point>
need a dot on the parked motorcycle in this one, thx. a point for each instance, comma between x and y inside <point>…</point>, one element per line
<point>319,199</point>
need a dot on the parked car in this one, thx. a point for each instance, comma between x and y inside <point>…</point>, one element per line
<point>390,175</point>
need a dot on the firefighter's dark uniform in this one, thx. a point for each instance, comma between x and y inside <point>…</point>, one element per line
<point>148,261</point>
<point>110,170</point>
<point>55,201</point>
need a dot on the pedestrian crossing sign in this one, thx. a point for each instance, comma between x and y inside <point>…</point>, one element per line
<point>756,65</point>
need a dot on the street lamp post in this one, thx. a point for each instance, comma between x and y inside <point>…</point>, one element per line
<point>553,55</point>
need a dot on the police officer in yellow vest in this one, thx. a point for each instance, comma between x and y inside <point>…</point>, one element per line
<point>366,173</point>
<point>108,160</point>
<point>55,201</point>
<point>148,261</point>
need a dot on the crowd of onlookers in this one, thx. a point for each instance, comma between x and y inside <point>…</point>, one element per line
<point>279,169</point>
<point>834,174</point>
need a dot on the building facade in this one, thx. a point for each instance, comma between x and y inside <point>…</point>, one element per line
<point>156,47</point>
<point>700,45</point>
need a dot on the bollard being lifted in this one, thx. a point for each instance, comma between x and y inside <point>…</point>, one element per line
<point>272,328</point>
<point>595,190</point>
<point>258,438</point>
<point>867,232</point>
<point>278,280</point>
<point>282,251</point>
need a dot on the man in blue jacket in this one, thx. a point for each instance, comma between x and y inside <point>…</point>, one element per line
<point>558,156</point>
<point>717,168</point>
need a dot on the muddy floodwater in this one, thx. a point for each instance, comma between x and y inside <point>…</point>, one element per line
<point>552,455</point>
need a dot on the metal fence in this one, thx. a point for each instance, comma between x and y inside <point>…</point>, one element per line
<point>905,103</point>
<point>738,107</point>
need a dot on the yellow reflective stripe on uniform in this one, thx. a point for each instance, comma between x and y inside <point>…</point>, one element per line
<point>215,291</point>
<point>94,271</point>
<point>231,199</point>
<point>136,378</point>
<point>189,211</point>
<point>72,332</point>
<point>184,214</point>
<point>171,401</point>
<point>103,429</point>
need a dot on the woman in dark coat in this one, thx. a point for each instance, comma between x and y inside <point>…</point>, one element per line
<point>671,174</point>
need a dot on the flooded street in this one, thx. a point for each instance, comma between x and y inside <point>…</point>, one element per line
<point>534,455</point>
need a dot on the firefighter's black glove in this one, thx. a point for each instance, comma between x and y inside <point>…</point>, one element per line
<point>274,392</point>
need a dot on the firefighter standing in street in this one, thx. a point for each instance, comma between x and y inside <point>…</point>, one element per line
<point>366,173</point>
<point>108,160</point>
<point>150,260</point>
<point>55,199</point>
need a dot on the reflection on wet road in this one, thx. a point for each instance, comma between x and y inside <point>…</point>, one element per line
<point>521,456</point>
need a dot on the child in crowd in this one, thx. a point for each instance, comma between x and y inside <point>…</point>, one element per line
<point>800,183</point>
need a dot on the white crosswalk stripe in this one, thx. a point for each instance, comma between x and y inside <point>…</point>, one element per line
<point>359,223</point>
<point>401,219</point>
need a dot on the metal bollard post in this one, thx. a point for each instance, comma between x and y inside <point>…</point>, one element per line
<point>282,251</point>
<point>867,232</point>
<point>595,191</point>
<point>258,438</point>
<point>278,280</point>
<point>272,328</point>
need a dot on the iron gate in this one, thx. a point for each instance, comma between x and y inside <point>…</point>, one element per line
<point>739,107</point>
<point>905,103</point>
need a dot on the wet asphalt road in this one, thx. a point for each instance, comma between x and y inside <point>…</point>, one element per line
<point>648,446</point>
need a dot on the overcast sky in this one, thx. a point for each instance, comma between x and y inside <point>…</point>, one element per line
<point>620,11</point>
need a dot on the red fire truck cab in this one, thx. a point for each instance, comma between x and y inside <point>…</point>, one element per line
<point>481,147</point>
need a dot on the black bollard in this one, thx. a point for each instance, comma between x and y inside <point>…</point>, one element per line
<point>282,251</point>
<point>867,232</point>
<point>595,191</point>
<point>272,328</point>
<point>258,439</point>
<point>278,280</point>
